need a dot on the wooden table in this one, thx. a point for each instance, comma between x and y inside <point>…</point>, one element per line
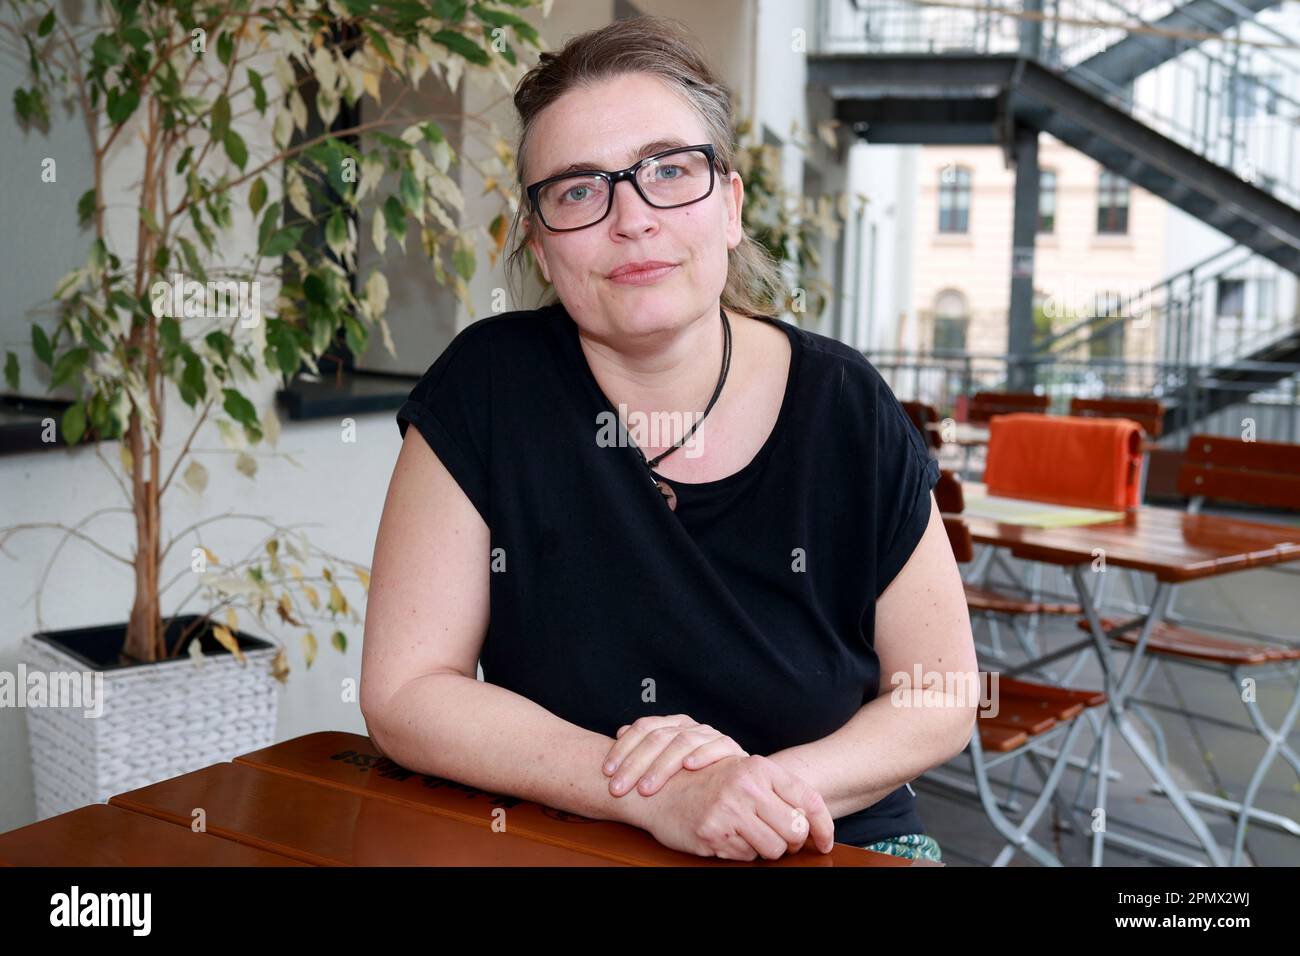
<point>1173,547</point>
<point>330,799</point>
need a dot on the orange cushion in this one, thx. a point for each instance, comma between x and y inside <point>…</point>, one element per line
<point>1067,460</point>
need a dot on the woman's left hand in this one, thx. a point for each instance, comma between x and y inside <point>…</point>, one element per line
<point>652,749</point>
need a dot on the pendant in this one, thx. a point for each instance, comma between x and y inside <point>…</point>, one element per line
<point>670,496</point>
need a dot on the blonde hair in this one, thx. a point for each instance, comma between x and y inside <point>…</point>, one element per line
<point>661,48</point>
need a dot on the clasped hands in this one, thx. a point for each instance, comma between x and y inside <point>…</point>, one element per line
<point>730,804</point>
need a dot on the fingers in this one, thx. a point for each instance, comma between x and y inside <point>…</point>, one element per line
<point>700,745</point>
<point>796,793</point>
<point>631,735</point>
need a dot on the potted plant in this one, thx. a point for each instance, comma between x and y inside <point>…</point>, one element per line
<point>189,93</point>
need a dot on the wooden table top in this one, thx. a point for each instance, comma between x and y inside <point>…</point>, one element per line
<point>330,799</point>
<point>1166,542</point>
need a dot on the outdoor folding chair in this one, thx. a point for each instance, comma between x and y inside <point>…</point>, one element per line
<point>992,606</point>
<point>922,416</point>
<point>1258,473</point>
<point>1025,721</point>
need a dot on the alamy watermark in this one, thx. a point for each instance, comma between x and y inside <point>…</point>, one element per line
<point>649,429</point>
<point>84,689</point>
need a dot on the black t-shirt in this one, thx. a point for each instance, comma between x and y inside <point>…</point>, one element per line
<point>751,607</point>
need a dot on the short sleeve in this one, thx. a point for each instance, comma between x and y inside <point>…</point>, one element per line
<point>450,405</point>
<point>906,473</point>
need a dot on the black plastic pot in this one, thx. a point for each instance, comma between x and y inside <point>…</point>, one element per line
<point>100,647</point>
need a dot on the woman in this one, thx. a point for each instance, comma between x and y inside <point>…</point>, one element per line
<point>682,628</point>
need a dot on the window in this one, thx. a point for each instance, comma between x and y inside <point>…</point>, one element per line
<point>954,199</point>
<point>1107,338</point>
<point>1047,200</point>
<point>1230,298</point>
<point>1112,203</point>
<point>1265,300</point>
<point>950,321</point>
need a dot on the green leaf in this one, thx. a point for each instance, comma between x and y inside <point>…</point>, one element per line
<point>283,241</point>
<point>41,345</point>
<point>220,118</point>
<point>192,261</point>
<point>74,422</point>
<point>463,45</point>
<point>169,331</point>
<point>270,223</point>
<point>236,149</point>
<point>280,338</point>
<point>68,365</point>
<point>256,195</point>
<point>395,218</point>
<point>336,232</point>
<point>462,257</point>
<point>259,92</point>
<point>11,370</point>
<point>105,51</point>
<point>47,24</point>
<point>355,335</point>
<point>412,197</point>
<point>86,207</point>
<point>340,641</point>
<point>225,48</point>
<point>241,410</point>
<point>194,385</point>
<point>314,288</point>
<point>450,11</point>
<point>121,104</point>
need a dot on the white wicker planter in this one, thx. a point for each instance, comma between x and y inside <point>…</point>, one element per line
<point>158,720</point>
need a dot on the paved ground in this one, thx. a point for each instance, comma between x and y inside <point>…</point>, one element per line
<point>1202,756</point>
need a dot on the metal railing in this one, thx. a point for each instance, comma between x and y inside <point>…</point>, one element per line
<point>1200,402</point>
<point>1232,99</point>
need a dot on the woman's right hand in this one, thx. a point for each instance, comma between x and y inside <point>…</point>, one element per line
<point>738,808</point>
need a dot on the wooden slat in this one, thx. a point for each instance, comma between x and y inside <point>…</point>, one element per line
<point>103,835</point>
<point>1001,739</point>
<point>984,405</point>
<point>994,602</point>
<point>1020,713</point>
<point>1021,688</point>
<point>1176,641</point>
<point>1149,413</point>
<point>1250,472</point>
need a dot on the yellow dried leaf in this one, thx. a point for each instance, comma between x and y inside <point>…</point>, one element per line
<point>312,597</point>
<point>227,640</point>
<point>296,572</point>
<point>280,666</point>
<point>364,577</point>
<point>338,604</point>
<point>212,558</point>
<point>309,647</point>
<point>232,618</point>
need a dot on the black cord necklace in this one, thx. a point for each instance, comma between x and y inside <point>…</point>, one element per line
<point>665,489</point>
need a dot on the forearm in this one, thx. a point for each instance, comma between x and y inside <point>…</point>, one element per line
<point>882,747</point>
<point>485,736</point>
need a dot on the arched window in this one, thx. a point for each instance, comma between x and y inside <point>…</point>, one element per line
<point>1047,200</point>
<point>951,318</point>
<point>954,199</point>
<point>1112,203</point>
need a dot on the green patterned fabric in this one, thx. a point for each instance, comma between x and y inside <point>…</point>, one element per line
<point>914,846</point>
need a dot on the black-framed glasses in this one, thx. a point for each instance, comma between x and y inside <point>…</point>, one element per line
<point>666,180</point>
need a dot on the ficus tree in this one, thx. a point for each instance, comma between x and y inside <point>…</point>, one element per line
<point>178,90</point>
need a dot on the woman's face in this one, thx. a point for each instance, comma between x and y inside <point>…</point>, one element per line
<point>610,125</point>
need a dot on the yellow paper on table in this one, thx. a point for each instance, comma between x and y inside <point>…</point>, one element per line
<point>1035,514</point>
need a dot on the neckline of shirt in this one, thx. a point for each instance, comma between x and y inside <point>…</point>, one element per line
<point>783,415</point>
